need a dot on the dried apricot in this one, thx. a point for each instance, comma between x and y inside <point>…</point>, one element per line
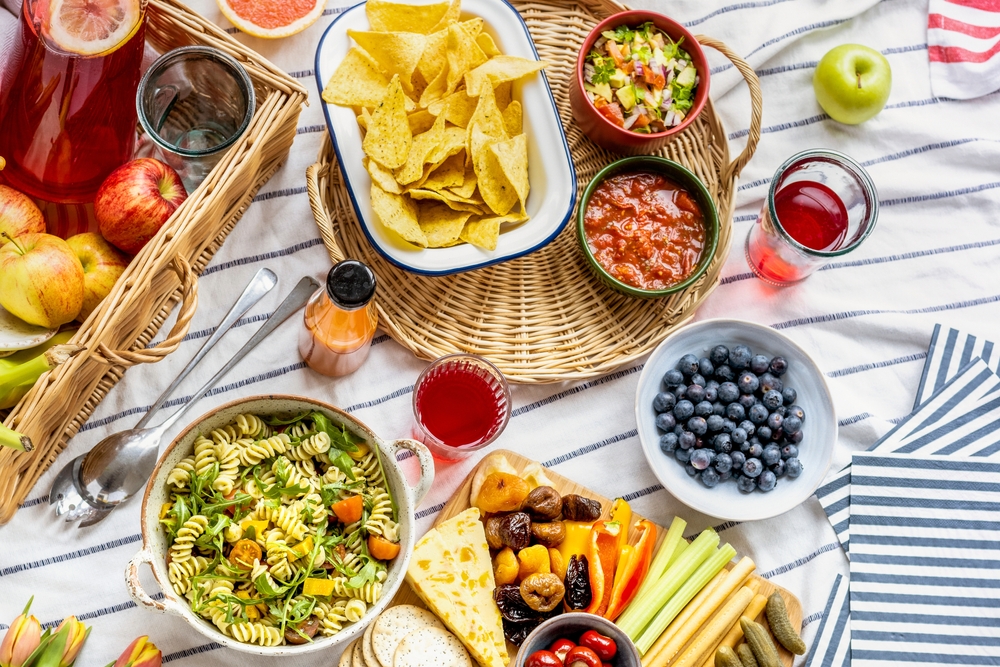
<point>505,567</point>
<point>502,492</point>
<point>533,559</point>
<point>557,564</point>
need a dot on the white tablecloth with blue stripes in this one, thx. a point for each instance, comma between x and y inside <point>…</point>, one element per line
<point>867,318</point>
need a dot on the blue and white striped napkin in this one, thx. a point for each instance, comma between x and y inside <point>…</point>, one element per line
<point>925,566</point>
<point>950,351</point>
<point>832,645</point>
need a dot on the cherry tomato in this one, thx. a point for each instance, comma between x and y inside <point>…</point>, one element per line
<point>613,112</point>
<point>581,656</point>
<point>561,647</point>
<point>604,647</point>
<point>543,659</point>
<point>244,553</point>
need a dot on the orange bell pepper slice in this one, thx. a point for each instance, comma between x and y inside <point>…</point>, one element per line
<point>633,566</point>
<point>602,554</point>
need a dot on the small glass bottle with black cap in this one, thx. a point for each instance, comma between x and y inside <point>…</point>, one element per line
<point>340,320</point>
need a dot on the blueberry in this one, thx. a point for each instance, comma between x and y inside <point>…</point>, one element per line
<point>738,458</point>
<point>736,412</point>
<point>680,391</point>
<point>778,469</point>
<point>695,393</point>
<point>711,384</point>
<point>753,467</point>
<point>728,392</point>
<point>771,400</point>
<point>781,410</point>
<point>778,366</point>
<point>668,443</point>
<point>739,357</point>
<point>739,436</point>
<point>793,467</point>
<point>683,410</point>
<point>764,433</point>
<point>789,395</point>
<point>672,378</point>
<point>688,365</point>
<point>794,438</point>
<point>746,484</point>
<point>714,423</point>
<point>703,409</point>
<point>728,426</point>
<point>723,462</point>
<point>719,354</point>
<point>755,451</point>
<point>748,401</point>
<point>766,481</point>
<point>705,366</point>
<point>723,443</point>
<point>678,430</point>
<point>777,434</point>
<point>712,393</point>
<point>747,382</point>
<point>700,459</point>
<point>759,364</point>
<point>725,476</point>
<point>790,452</point>
<point>697,425</point>
<point>748,427</point>
<point>792,424</point>
<point>687,440</point>
<point>718,408</point>
<point>664,402</point>
<point>771,455</point>
<point>774,421</point>
<point>796,411</point>
<point>769,382</point>
<point>682,455</point>
<point>757,413</point>
<point>724,373</point>
<point>691,470</point>
<point>699,380</point>
<point>709,478</point>
<point>665,421</point>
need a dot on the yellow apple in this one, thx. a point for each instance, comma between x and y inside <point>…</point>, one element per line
<point>102,266</point>
<point>41,280</point>
<point>18,214</point>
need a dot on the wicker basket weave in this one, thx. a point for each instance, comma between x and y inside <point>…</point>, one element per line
<point>543,317</point>
<point>165,271</point>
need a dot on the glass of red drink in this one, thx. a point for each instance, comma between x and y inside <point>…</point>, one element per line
<point>461,403</point>
<point>821,204</point>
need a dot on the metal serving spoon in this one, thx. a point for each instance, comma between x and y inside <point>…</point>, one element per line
<point>93,484</point>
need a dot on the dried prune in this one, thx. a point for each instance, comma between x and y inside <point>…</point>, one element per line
<point>516,633</point>
<point>578,593</point>
<point>543,591</point>
<point>514,530</point>
<point>512,606</point>
<point>543,503</point>
<point>549,534</point>
<point>578,508</point>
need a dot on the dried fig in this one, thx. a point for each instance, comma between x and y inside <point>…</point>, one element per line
<point>543,503</point>
<point>492,527</point>
<point>549,534</point>
<point>543,591</point>
<point>578,508</point>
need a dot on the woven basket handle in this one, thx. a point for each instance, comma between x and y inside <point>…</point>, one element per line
<point>189,295</point>
<point>756,104</point>
<point>316,174</point>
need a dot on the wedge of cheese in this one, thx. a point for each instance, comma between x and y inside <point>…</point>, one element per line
<point>452,573</point>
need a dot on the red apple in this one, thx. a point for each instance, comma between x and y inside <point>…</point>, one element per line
<point>102,266</point>
<point>18,214</point>
<point>135,200</point>
<point>41,280</point>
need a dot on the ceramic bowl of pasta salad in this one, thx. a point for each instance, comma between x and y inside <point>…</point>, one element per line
<point>278,525</point>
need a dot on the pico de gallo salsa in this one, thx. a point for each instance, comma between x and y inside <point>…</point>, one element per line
<point>640,79</point>
<point>645,230</point>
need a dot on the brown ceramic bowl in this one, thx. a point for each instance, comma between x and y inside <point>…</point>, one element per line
<point>613,137</point>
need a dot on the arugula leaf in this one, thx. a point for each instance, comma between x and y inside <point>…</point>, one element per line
<point>278,421</point>
<point>265,588</point>
<point>365,575</point>
<point>344,463</point>
<point>388,488</point>
<point>340,437</point>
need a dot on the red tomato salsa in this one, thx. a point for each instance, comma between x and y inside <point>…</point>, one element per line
<point>645,230</point>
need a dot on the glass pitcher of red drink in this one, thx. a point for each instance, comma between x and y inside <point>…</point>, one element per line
<point>67,96</point>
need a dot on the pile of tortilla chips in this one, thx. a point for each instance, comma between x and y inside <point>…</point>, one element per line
<point>443,140</point>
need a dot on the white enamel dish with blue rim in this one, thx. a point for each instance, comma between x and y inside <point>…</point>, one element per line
<point>550,168</point>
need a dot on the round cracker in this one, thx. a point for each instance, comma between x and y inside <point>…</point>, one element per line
<point>394,624</point>
<point>366,647</point>
<point>357,657</point>
<point>347,657</point>
<point>431,647</point>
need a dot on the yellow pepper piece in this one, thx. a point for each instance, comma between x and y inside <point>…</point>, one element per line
<point>164,508</point>
<point>505,567</point>
<point>577,539</point>
<point>317,587</point>
<point>302,548</point>
<point>532,560</point>
<point>622,513</point>
<point>259,526</point>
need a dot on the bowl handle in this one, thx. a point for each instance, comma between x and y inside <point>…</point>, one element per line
<point>426,465</point>
<point>135,588</point>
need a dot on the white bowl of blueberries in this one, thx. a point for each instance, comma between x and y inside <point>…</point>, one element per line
<point>735,419</point>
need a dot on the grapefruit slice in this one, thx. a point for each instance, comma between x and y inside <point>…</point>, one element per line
<point>92,27</point>
<point>272,19</point>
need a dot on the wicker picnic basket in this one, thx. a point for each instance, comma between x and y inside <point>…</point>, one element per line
<point>165,272</point>
<point>543,317</point>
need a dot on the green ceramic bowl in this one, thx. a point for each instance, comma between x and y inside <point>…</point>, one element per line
<point>676,173</point>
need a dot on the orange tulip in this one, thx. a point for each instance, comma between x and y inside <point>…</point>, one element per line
<point>140,653</point>
<point>76,635</point>
<point>21,640</point>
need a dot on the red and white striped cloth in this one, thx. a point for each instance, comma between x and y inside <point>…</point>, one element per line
<point>963,45</point>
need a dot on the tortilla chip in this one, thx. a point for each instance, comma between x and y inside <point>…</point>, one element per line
<point>453,141</point>
<point>364,118</point>
<point>389,138</point>
<point>451,16</point>
<point>485,232</point>
<point>488,119</point>
<point>457,108</point>
<point>395,52</point>
<point>384,16</point>
<point>422,149</point>
<point>435,90</point>
<point>449,200</point>
<point>499,70</point>
<point>441,225</point>
<point>503,93</point>
<point>433,59</point>
<point>512,117</point>
<point>494,186</point>
<point>358,82</point>
<point>513,158</point>
<point>420,121</point>
<point>463,55</point>
<point>487,44</point>
<point>468,186</point>
<point>382,176</point>
<point>450,174</point>
<point>399,214</point>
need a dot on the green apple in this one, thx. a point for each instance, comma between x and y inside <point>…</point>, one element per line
<point>102,264</point>
<point>41,280</point>
<point>852,83</point>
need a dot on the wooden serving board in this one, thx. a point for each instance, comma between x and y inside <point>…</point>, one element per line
<point>461,501</point>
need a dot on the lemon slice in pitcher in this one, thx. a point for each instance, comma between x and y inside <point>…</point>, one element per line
<point>92,27</point>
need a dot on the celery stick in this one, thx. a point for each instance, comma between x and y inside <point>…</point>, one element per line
<point>671,547</point>
<point>640,612</point>
<point>683,595</point>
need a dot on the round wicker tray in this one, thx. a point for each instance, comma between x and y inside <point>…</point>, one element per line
<point>543,317</point>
